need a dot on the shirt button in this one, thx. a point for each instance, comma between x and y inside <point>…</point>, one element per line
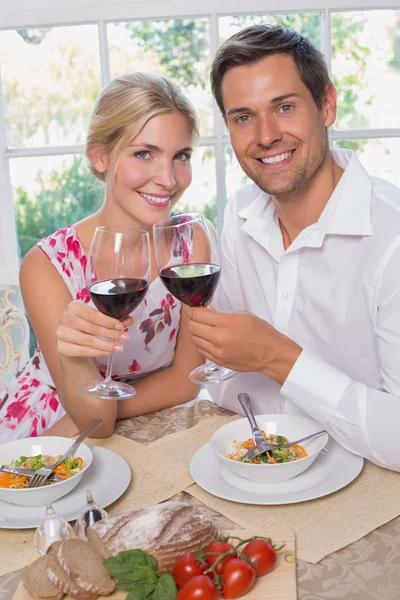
<point>285,295</point>
<point>273,247</point>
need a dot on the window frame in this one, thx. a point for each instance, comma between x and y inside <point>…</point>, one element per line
<point>123,10</point>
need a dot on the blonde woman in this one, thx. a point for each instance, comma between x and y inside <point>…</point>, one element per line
<point>139,142</point>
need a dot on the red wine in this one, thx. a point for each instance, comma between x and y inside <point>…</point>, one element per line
<point>118,297</point>
<point>193,284</point>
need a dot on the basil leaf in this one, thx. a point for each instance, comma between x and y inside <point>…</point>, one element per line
<point>141,591</point>
<point>165,589</point>
<point>126,561</point>
<point>138,576</point>
<point>138,593</point>
<point>136,572</point>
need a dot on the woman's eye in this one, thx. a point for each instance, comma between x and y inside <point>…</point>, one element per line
<point>182,156</point>
<point>142,154</point>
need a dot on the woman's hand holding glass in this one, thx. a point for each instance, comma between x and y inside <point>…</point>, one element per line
<point>85,332</point>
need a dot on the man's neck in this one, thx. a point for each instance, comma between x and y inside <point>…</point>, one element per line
<point>303,208</point>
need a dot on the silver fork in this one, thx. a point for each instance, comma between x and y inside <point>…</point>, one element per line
<point>41,475</point>
<point>253,452</point>
<point>259,440</point>
<point>24,472</point>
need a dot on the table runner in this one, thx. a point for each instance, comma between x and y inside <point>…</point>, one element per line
<point>322,526</point>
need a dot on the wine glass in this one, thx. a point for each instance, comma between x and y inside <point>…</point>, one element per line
<point>188,264</point>
<point>117,277</point>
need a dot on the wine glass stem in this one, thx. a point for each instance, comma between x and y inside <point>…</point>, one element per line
<point>211,367</point>
<point>109,368</point>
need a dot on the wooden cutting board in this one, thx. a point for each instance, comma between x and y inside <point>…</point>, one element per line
<point>280,584</point>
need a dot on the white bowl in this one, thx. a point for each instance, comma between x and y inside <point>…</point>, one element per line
<point>53,446</point>
<point>290,426</point>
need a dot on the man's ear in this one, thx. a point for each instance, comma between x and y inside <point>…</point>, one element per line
<point>98,158</point>
<point>329,107</point>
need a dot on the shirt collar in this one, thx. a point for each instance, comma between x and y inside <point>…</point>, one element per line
<point>347,212</point>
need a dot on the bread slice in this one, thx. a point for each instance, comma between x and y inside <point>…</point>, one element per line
<point>85,566</point>
<point>37,584</point>
<point>59,577</point>
<point>166,531</point>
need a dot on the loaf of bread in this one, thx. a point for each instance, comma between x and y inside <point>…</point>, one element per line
<point>165,531</point>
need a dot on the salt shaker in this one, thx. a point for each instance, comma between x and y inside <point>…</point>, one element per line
<point>90,515</point>
<point>51,529</point>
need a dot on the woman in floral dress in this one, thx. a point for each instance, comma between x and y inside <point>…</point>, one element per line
<point>139,143</point>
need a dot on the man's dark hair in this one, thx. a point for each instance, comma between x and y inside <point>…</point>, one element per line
<point>259,41</point>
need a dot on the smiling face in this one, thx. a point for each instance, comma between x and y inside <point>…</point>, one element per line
<point>277,132</point>
<point>147,177</point>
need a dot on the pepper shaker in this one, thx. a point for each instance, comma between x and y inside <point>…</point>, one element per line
<point>90,515</point>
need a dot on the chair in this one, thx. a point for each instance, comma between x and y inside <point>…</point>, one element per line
<point>14,328</point>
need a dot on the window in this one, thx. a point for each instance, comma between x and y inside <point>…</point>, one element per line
<point>48,99</point>
<point>366,72</point>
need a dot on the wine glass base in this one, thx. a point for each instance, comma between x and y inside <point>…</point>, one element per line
<point>108,391</point>
<point>210,374</point>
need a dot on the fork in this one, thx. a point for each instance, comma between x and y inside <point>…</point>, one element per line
<point>41,475</point>
<point>259,440</point>
<point>24,472</point>
<point>253,452</point>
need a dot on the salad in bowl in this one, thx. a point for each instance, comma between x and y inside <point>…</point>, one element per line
<point>68,468</point>
<point>35,453</point>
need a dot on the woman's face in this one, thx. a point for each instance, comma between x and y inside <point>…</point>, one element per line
<point>148,176</point>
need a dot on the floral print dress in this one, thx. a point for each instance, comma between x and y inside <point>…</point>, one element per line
<point>30,404</point>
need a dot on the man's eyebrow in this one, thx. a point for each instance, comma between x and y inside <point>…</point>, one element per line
<point>234,111</point>
<point>279,99</point>
<point>246,109</point>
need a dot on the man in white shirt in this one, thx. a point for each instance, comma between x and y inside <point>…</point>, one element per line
<point>310,283</point>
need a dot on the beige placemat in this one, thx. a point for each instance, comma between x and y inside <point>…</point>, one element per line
<point>181,446</point>
<point>153,480</point>
<point>321,526</point>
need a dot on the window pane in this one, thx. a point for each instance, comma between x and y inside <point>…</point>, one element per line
<point>308,24</point>
<point>49,193</point>
<point>366,68</point>
<point>380,157</point>
<point>235,177</point>
<point>177,48</point>
<point>202,193</point>
<point>49,97</point>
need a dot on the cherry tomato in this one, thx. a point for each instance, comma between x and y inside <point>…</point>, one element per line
<point>186,567</point>
<point>217,548</point>
<point>262,556</point>
<point>238,578</point>
<point>199,587</point>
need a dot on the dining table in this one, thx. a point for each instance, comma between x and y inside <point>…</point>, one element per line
<point>367,569</point>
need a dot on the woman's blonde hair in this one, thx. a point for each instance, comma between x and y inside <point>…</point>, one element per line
<point>126,104</point>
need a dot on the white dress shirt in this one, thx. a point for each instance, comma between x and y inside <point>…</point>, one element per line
<point>336,292</point>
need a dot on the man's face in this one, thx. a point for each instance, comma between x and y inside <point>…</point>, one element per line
<point>277,132</point>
